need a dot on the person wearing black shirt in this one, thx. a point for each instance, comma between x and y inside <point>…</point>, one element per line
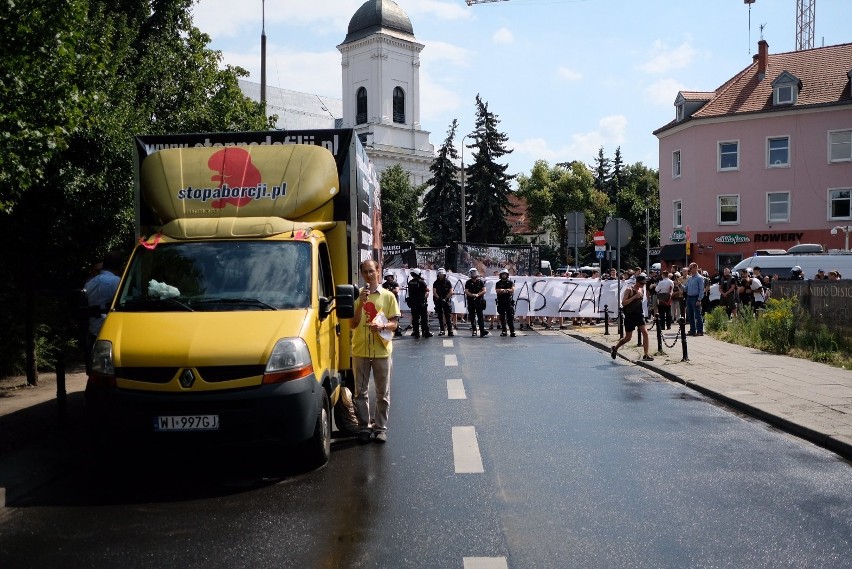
<point>442,294</point>
<point>474,291</point>
<point>505,303</point>
<point>393,286</point>
<point>418,293</point>
<point>727,288</point>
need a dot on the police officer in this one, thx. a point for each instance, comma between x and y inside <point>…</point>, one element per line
<point>393,286</point>
<point>418,293</point>
<point>505,302</point>
<point>442,294</point>
<point>474,291</point>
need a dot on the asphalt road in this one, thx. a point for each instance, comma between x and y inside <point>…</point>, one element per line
<point>556,456</point>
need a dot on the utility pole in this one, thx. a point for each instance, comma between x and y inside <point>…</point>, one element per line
<point>263,56</point>
<point>805,19</point>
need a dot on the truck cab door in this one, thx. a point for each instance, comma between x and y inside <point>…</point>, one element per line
<point>327,333</point>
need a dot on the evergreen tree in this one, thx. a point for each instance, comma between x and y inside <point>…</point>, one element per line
<point>487,186</point>
<point>602,171</point>
<point>400,204</point>
<point>441,210</point>
<point>616,180</point>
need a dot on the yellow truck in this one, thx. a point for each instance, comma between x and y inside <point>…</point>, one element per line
<point>230,322</point>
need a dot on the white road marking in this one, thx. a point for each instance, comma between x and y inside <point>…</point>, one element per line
<point>448,343</point>
<point>466,451</point>
<point>455,389</point>
<point>485,563</point>
<point>450,360</point>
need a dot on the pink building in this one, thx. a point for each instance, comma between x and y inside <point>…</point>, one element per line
<point>762,162</point>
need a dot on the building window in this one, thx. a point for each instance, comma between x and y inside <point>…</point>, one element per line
<point>676,164</point>
<point>777,207</point>
<point>728,210</point>
<point>361,106</point>
<point>679,112</point>
<point>729,155</point>
<point>840,146</point>
<point>778,151</point>
<point>840,204</point>
<point>398,105</point>
<point>677,213</point>
<point>784,95</point>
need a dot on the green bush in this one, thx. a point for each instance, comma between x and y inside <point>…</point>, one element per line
<point>776,327</point>
<point>717,321</point>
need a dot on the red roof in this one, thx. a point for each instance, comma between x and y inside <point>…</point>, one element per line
<point>517,219</point>
<point>823,73</point>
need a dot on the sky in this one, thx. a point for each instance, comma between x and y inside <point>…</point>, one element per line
<point>565,77</point>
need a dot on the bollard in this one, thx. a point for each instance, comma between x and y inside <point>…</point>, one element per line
<point>620,323</point>
<point>682,323</point>
<point>659,321</point>
<point>606,319</point>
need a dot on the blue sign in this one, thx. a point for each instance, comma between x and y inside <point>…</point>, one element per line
<point>599,254</point>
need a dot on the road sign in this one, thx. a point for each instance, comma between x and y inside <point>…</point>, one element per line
<point>688,233</point>
<point>618,232</point>
<point>599,239</point>
<point>600,254</point>
<point>600,247</point>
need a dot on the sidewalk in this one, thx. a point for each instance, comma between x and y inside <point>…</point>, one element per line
<point>807,399</point>
<point>804,398</point>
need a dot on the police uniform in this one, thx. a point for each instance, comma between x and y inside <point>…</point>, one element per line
<point>417,291</point>
<point>506,306</point>
<point>475,304</point>
<point>442,290</point>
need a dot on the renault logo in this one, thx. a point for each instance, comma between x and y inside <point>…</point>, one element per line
<point>187,378</point>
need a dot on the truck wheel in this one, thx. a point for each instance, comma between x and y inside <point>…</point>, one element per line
<point>317,450</point>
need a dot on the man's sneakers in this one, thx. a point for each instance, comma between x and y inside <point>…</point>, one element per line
<point>647,358</point>
<point>364,437</point>
<point>483,333</point>
<point>512,335</point>
<point>427,334</point>
<point>441,333</point>
<point>612,351</point>
<point>381,437</point>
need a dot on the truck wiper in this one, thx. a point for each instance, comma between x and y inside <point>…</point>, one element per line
<point>238,301</point>
<point>155,304</point>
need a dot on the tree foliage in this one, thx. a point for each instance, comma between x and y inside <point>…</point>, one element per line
<point>400,206</point>
<point>78,79</point>
<point>441,210</point>
<point>552,193</point>
<point>487,187</point>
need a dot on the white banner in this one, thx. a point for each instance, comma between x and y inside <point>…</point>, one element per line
<point>534,296</point>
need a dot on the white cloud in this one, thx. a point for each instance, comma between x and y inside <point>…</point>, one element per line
<point>443,52</point>
<point>306,72</point>
<point>437,101</point>
<point>583,146</point>
<point>443,10</point>
<point>663,58</point>
<point>503,36</point>
<point>229,19</point>
<point>569,74</point>
<point>663,92</point>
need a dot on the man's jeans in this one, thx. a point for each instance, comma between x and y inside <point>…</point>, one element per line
<point>693,315</point>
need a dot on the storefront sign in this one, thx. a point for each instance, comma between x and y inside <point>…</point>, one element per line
<point>732,239</point>
<point>678,236</point>
<point>775,237</point>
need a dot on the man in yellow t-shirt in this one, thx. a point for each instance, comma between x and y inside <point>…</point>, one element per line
<point>376,313</point>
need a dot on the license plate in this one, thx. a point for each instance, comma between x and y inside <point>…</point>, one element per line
<point>186,423</point>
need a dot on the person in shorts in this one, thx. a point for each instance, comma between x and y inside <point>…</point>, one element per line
<point>634,317</point>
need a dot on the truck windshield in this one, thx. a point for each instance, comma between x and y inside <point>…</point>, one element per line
<point>218,276</point>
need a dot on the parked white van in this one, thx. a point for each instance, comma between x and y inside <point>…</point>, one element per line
<point>782,265</point>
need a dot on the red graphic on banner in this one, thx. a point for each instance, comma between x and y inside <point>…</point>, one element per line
<point>235,170</point>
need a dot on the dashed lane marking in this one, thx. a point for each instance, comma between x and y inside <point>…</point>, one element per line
<point>455,389</point>
<point>485,563</point>
<point>450,360</point>
<point>466,451</point>
<point>448,343</point>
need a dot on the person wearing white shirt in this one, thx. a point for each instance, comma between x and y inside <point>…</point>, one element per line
<point>664,301</point>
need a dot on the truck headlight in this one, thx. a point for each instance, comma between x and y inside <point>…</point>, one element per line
<point>290,359</point>
<point>103,366</point>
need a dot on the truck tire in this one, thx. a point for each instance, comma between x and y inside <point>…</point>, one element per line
<point>317,450</point>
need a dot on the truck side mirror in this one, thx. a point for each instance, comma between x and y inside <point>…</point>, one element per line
<point>344,300</point>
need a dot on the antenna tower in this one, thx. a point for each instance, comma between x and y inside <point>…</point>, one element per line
<point>805,16</point>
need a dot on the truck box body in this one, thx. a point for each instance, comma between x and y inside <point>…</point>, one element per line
<point>224,324</point>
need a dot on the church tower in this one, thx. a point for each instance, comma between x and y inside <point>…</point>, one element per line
<point>381,88</point>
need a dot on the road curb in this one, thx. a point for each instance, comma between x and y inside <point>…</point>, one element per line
<point>840,447</point>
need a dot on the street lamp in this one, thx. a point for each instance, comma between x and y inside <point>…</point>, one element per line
<point>845,229</point>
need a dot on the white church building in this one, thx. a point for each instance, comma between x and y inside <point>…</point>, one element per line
<point>380,64</point>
